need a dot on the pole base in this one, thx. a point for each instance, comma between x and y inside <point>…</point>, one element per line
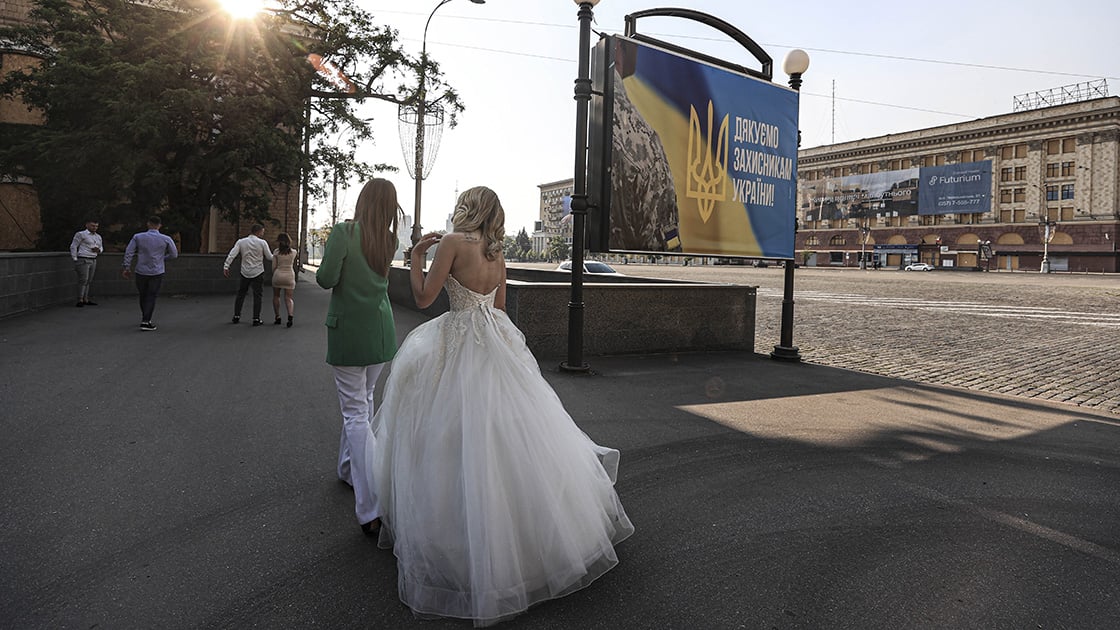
<point>581,369</point>
<point>782,353</point>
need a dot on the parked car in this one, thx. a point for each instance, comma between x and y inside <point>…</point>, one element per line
<point>919,267</point>
<point>592,267</point>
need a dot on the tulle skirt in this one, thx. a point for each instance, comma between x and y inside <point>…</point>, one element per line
<point>492,498</point>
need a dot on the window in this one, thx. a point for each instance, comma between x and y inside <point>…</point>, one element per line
<point>1020,173</point>
<point>1068,145</point>
<point>1051,193</point>
<point>1052,169</point>
<point>1020,215</point>
<point>1053,214</point>
<point>1005,174</point>
<point>836,240</point>
<point>1067,191</point>
<point>812,241</point>
<point>1006,153</point>
<point>1021,150</point>
<point>1005,195</point>
<point>1005,216</point>
<point>974,155</point>
<point>1020,194</point>
<point>1067,214</point>
<point>1053,147</point>
<point>1067,169</point>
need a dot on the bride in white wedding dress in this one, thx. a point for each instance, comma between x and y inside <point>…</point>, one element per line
<point>492,498</point>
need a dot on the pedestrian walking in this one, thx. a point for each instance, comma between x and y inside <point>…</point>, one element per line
<point>361,336</point>
<point>253,251</point>
<point>150,249</point>
<point>284,262</point>
<point>84,249</point>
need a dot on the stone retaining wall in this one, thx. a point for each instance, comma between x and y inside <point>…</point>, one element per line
<point>621,316</point>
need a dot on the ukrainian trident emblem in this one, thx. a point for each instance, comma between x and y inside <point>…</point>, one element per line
<point>707,162</point>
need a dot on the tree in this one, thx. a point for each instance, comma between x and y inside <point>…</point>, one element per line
<point>175,107</point>
<point>524,244</point>
<point>558,248</point>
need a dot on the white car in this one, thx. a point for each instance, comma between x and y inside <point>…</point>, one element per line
<point>919,267</point>
<point>591,267</point>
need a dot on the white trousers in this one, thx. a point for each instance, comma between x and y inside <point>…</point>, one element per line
<point>355,399</point>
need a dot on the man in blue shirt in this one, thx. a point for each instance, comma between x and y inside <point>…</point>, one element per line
<point>150,248</point>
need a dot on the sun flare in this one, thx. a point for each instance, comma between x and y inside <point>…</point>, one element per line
<point>242,9</point>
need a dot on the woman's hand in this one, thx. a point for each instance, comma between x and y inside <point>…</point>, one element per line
<point>425,243</point>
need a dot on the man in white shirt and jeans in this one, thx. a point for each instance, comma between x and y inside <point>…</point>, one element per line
<point>83,251</point>
<point>253,251</point>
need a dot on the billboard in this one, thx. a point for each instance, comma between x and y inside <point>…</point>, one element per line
<point>949,189</point>
<point>955,188</point>
<point>688,157</point>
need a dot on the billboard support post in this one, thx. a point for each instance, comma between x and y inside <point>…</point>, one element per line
<point>795,65</point>
<point>579,194</point>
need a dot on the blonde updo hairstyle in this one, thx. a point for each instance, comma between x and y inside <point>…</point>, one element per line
<point>478,209</point>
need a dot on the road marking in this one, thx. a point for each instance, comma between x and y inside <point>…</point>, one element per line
<point>1022,524</point>
<point>1006,311</point>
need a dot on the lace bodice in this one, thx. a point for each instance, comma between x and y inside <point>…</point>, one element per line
<point>462,298</point>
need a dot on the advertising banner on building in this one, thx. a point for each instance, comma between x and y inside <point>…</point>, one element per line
<point>955,188</point>
<point>949,189</point>
<point>689,157</point>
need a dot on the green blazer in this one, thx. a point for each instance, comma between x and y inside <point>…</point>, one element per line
<point>360,329</point>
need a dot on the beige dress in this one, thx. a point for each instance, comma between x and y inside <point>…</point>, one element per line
<point>283,270</point>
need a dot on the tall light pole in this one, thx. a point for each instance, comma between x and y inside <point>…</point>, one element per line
<point>579,190</point>
<point>421,112</point>
<point>795,65</point>
<point>864,234</point>
<point>1047,235</point>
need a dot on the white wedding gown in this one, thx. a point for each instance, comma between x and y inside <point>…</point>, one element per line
<point>492,498</point>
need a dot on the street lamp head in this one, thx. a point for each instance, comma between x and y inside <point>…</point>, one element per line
<point>796,62</point>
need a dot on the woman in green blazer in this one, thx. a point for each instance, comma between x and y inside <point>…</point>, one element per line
<point>361,336</point>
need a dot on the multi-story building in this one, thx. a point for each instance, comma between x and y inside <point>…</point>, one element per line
<point>552,212</point>
<point>1054,192</point>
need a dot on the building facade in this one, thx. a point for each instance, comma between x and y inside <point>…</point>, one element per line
<point>1054,194</point>
<point>552,222</point>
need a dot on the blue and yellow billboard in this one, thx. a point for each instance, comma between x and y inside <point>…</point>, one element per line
<point>689,157</point>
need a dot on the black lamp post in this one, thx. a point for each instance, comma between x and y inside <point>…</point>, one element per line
<point>421,111</point>
<point>579,193</point>
<point>795,65</point>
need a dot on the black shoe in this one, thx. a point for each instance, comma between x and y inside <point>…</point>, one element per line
<point>80,304</point>
<point>147,326</point>
<point>372,528</point>
<point>257,322</point>
<point>277,322</point>
<point>88,303</point>
<point>289,321</point>
<point>236,319</point>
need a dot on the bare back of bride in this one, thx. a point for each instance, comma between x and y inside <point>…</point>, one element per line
<point>492,498</point>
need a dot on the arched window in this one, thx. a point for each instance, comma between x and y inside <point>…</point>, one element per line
<point>812,240</point>
<point>836,240</point>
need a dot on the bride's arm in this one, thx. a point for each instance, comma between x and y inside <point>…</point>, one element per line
<point>500,296</point>
<point>426,288</point>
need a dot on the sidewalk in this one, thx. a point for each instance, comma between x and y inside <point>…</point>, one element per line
<point>185,479</point>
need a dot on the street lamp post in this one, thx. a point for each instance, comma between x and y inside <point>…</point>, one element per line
<point>864,234</point>
<point>795,65</point>
<point>575,363</point>
<point>1046,226</point>
<point>421,112</point>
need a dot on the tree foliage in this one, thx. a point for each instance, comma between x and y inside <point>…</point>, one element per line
<point>175,107</point>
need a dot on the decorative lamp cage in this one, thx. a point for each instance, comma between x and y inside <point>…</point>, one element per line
<point>432,131</point>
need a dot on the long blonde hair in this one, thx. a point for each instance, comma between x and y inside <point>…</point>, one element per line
<point>478,208</point>
<point>377,214</point>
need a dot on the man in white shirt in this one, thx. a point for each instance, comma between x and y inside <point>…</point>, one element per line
<point>253,251</point>
<point>84,249</point>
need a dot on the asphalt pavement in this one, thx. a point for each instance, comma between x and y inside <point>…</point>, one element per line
<point>184,478</point>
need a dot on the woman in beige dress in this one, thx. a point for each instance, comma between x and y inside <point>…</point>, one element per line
<point>284,277</point>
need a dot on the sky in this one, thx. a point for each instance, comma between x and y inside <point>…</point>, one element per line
<point>896,67</point>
